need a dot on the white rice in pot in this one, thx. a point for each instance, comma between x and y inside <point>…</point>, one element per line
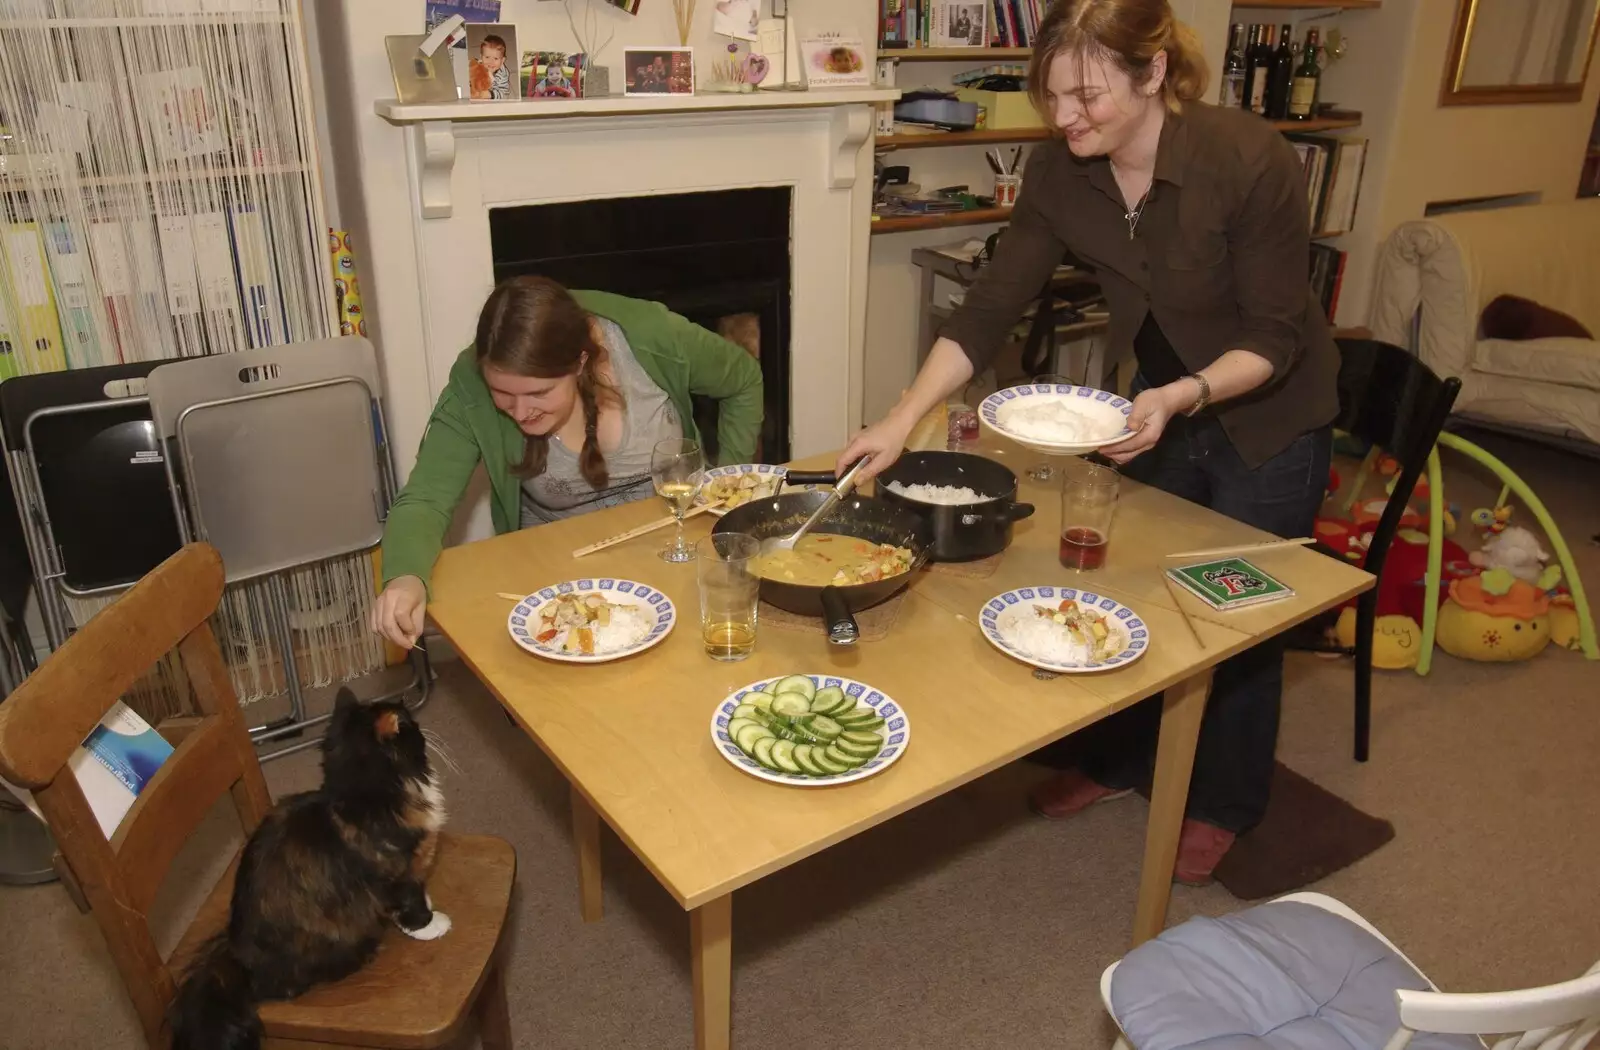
<point>944,495</point>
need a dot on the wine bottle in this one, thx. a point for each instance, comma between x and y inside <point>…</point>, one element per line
<point>1307,81</point>
<point>1280,79</point>
<point>1233,69</point>
<point>1260,68</point>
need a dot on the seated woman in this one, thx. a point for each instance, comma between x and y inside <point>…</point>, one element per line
<point>561,396</point>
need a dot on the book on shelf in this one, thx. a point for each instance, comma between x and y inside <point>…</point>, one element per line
<point>29,321</point>
<point>904,24</point>
<point>1333,169</point>
<point>955,24</point>
<point>1327,275</point>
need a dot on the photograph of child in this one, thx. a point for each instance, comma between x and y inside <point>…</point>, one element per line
<point>736,18</point>
<point>552,74</point>
<point>490,47</point>
<point>658,71</point>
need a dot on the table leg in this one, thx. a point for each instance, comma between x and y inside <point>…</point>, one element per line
<point>1181,710</point>
<point>586,838</point>
<point>711,939</point>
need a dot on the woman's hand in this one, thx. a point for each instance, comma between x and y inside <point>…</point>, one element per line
<point>1151,412</point>
<point>400,610</point>
<point>883,441</point>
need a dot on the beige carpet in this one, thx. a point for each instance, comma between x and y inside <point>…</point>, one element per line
<point>967,924</point>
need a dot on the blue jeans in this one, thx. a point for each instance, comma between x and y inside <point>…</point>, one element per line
<point>1239,734</point>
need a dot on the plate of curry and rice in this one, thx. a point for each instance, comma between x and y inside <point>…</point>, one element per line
<point>592,620</point>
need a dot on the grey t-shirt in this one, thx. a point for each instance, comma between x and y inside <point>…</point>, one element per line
<point>647,417</point>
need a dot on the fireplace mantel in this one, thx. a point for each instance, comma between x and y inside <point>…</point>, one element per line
<point>436,125</point>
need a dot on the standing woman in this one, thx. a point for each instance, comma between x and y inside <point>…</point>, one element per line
<point>562,396</point>
<point>1194,219</point>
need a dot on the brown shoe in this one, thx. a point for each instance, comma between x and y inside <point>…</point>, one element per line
<point>1069,794</point>
<point>1201,848</point>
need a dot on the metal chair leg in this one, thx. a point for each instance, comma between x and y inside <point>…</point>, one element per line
<point>1366,617</point>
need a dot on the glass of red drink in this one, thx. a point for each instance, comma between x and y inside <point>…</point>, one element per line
<point>1088,501</point>
<point>963,424</point>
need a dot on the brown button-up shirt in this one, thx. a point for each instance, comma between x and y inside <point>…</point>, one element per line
<point>1221,258</point>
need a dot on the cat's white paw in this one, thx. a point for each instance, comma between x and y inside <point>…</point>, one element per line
<point>437,927</point>
<point>427,900</point>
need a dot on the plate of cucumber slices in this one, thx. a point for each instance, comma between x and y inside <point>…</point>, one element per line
<point>810,730</point>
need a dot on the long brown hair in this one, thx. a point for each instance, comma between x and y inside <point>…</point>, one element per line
<point>532,326</point>
<point>1131,33</point>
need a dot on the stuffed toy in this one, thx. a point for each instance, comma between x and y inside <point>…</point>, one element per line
<point>1516,550</point>
<point>1494,617</point>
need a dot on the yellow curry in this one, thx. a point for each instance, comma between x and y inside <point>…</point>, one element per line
<point>821,560</point>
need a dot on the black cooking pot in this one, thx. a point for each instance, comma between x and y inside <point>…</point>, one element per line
<point>862,517</point>
<point>964,531</point>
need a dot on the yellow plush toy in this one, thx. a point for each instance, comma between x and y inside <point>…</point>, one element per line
<point>1494,617</point>
<point>1396,640</point>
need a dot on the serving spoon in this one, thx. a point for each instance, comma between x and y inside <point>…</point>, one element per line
<point>840,491</point>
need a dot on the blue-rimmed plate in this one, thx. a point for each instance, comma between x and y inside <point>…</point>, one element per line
<point>1104,415</point>
<point>896,732</point>
<point>744,481</point>
<point>641,617</point>
<point>1002,615</point>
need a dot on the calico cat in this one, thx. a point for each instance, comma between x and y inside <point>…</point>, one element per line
<point>321,879</point>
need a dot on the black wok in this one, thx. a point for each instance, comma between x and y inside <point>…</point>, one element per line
<point>861,517</point>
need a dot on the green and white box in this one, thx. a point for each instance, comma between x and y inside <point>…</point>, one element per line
<point>1230,583</point>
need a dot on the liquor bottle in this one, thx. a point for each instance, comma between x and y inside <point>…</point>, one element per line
<point>1259,69</point>
<point>1233,69</point>
<point>1280,78</point>
<point>1307,81</point>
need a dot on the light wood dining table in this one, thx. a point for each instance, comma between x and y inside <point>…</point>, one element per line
<point>632,736</point>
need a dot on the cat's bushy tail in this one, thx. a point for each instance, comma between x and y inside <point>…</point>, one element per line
<point>214,1008</point>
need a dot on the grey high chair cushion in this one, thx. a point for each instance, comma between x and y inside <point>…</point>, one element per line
<point>1281,976</point>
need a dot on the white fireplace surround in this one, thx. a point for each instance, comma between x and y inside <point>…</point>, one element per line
<point>462,159</point>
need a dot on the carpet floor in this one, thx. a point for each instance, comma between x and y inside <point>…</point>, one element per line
<point>967,923</point>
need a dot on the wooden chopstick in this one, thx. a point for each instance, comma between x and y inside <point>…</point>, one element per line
<point>1244,548</point>
<point>1172,589</point>
<point>622,537</point>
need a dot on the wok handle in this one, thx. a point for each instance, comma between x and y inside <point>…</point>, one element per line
<point>811,477</point>
<point>842,629</point>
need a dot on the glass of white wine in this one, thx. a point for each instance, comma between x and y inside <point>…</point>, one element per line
<point>678,468</point>
<point>730,594</point>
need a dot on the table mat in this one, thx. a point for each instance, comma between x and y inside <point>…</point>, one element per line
<point>981,569</point>
<point>874,623</point>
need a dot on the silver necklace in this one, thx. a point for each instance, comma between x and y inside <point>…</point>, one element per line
<point>1137,213</point>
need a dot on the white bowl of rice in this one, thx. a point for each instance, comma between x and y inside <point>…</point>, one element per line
<point>1057,418</point>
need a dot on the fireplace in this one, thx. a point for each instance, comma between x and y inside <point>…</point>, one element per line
<point>720,258</point>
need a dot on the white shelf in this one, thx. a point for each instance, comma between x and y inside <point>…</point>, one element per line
<point>398,112</point>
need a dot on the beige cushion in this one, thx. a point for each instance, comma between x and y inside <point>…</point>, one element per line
<point>1570,362</point>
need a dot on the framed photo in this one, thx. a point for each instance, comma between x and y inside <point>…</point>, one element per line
<point>658,71</point>
<point>492,61</point>
<point>419,77</point>
<point>552,74</point>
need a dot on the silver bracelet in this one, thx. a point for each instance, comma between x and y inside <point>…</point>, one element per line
<point>1205,393</point>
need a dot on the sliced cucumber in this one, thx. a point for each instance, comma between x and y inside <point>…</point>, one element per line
<point>739,723</point>
<point>763,752</point>
<point>842,758</point>
<point>871,723</point>
<point>803,758</point>
<point>862,751</point>
<point>864,738</point>
<point>825,727</point>
<point>852,719</point>
<point>827,699</point>
<point>797,683</point>
<point>750,711</point>
<point>749,735</point>
<point>790,705</point>
<point>826,763</point>
<point>759,701</point>
<point>783,755</point>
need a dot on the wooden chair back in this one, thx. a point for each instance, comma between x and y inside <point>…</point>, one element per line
<point>51,713</point>
<point>1563,1016</point>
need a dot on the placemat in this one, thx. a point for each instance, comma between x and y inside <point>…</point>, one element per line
<point>981,569</point>
<point>874,623</point>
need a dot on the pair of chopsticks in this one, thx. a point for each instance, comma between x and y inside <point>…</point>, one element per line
<point>1220,552</point>
<point>998,163</point>
<point>623,537</point>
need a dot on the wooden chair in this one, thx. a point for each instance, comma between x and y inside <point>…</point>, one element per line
<point>414,994</point>
<point>1388,398</point>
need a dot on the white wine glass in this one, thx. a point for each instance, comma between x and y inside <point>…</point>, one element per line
<point>1047,470</point>
<point>678,468</point>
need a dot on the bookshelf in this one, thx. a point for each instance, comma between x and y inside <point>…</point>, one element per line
<point>971,217</point>
<point>986,137</point>
<point>955,54</point>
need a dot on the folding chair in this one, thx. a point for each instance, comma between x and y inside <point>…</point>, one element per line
<point>278,458</point>
<point>85,472</point>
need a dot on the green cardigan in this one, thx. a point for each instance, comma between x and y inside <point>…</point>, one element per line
<point>681,357</point>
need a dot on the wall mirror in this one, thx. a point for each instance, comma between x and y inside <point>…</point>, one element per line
<point>1506,51</point>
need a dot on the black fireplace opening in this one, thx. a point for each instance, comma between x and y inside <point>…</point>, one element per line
<point>720,258</point>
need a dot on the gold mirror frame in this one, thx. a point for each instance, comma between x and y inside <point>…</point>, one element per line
<point>1453,93</point>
